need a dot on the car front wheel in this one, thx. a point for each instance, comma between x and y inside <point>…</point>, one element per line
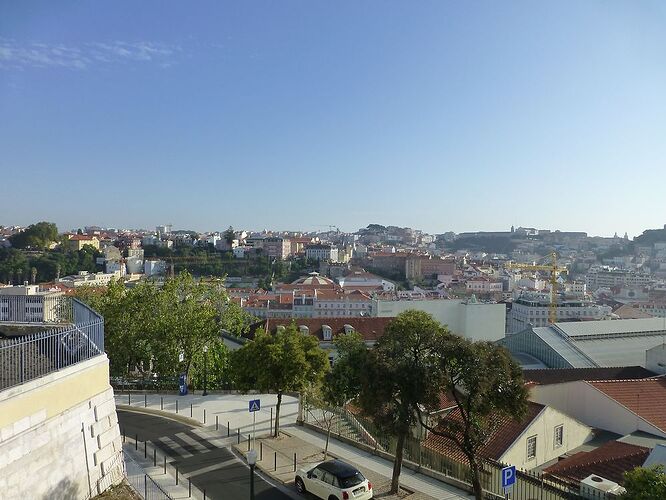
<point>300,486</point>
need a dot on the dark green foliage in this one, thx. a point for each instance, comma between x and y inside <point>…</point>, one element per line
<point>645,484</point>
<point>36,236</point>
<point>287,361</point>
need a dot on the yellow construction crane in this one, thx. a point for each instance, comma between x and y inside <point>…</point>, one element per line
<point>554,270</point>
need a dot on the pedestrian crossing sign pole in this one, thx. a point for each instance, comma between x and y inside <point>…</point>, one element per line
<point>254,407</point>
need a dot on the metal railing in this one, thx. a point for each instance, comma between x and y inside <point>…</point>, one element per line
<point>143,484</point>
<point>27,357</point>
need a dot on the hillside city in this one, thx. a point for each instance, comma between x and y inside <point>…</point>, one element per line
<point>583,317</point>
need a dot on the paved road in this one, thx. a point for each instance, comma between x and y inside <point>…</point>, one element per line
<point>199,455</point>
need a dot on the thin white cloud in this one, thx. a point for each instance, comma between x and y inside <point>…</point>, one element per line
<point>41,55</point>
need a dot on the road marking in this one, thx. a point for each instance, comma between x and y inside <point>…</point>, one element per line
<point>210,468</point>
<point>178,449</point>
<point>192,442</point>
<point>216,441</point>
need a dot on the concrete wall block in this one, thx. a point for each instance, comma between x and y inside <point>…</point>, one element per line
<point>37,418</point>
<point>107,437</point>
<point>104,409</point>
<point>103,454</point>
<point>110,464</point>
<point>21,425</point>
<point>6,433</point>
<point>100,427</point>
<point>118,443</point>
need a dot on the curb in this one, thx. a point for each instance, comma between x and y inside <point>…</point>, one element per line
<point>161,413</point>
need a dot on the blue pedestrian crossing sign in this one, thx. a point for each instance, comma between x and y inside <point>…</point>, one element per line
<point>508,477</point>
<point>255,405</point>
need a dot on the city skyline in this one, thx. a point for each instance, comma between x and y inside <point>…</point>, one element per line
<point>434,116</point>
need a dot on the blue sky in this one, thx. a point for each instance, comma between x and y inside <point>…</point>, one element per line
<point>295,114</point>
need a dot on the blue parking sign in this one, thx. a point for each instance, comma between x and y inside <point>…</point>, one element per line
<point>508,476</point>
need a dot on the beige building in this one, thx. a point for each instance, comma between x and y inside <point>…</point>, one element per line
<point>78,241</point>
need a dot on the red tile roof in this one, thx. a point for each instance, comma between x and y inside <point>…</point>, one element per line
<point>645,397</point>
<point>609,461</point>
<point>371,329</point>
<point>499,442</point>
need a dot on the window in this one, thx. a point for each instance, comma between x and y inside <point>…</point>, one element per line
<point>531,447</point>
<point>559,435</point>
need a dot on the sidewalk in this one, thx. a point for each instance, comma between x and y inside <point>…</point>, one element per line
<point>233,408</point>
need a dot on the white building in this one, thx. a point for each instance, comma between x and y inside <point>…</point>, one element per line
<point>609,277</point>
<point>321,251</point>
<point>27,304</point>
<point>85,278</point>
<point>152,267</point>
<point>469,318</point>
<point>362,279</point>
<point>533,308</point>
<point>483,284</point>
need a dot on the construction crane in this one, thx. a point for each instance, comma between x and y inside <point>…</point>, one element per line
<point>554,270</point>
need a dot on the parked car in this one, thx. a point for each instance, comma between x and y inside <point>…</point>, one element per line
<point>333,480</point>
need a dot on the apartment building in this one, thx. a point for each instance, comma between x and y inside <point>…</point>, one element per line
<point>609,277</point>
<point>321,251</point>
<point>277,247</point>
<point>27,304</point>
<point>533,308</point>
<point>427,267</point>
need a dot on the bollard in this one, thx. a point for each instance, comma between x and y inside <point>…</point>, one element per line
<point>271,420</point>
<point>275,460</point>
<point>136,441</point>
<point>161,403</point>
<point>248,442</point>
<point>154,457</point>
<point>145,486</point>
<point>261,450</point>
<point>145,449</point>
<point>204,494</point>
<point>191,410</point>
<point>228,429</point>
<point>204,415</point>
<point>145,400</point>
<point>238,437</point>
<point>176,406</point>
<point>216,422</point>
<point>189,488</point>
<point>294,462</point>
<point>176,475</point>
<point>129,398</point>
<point>165,464</point>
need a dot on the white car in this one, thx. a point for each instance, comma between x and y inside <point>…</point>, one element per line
<point>334,480</point>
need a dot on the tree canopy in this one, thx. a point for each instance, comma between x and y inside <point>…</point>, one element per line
<point>36,236</point>
<point>148,328</point>
<point>645,483</point>
<point>286,361</point>
<point>396,377</point>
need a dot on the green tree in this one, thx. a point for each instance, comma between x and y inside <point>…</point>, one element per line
<point>287,361</point>
<point>488,387</point>
<point>229,236</point>
<point>645,483</point>
<point>36,236</point>
<point>342,383</point>
<point>395,378</point>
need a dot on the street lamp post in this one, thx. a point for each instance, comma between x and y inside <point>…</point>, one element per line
<point>252,461</point>
<point>205,350</point>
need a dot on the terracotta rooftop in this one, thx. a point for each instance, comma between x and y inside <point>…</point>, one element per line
<point>558,375</point>
<point>645,397</point>
<point>499,442</point>
<point>371,329</point>
<point>609,461</point>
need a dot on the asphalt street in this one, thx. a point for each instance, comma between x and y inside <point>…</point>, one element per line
<point>199,455</point>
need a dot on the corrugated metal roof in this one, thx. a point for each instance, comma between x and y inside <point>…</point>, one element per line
<point>619,326</point>
<point>564,346</point>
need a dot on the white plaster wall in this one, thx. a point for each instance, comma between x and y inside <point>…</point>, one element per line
<point>589,405</point>
<point>63,457</point>
<point>574,434</point>
<point>475,321</point>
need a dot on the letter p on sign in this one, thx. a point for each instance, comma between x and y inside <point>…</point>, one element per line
<point>508,476</point>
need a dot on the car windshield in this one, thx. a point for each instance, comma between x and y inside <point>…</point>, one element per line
<point>351,481</point>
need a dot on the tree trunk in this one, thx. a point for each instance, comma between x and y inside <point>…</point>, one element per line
<point>277,414</point>
<point>328,438</point>
<point>397,463</point>
<point>476,479</point>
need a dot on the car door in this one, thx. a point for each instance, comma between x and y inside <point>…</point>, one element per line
<point>316,485</point>
<point>328,481</point>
